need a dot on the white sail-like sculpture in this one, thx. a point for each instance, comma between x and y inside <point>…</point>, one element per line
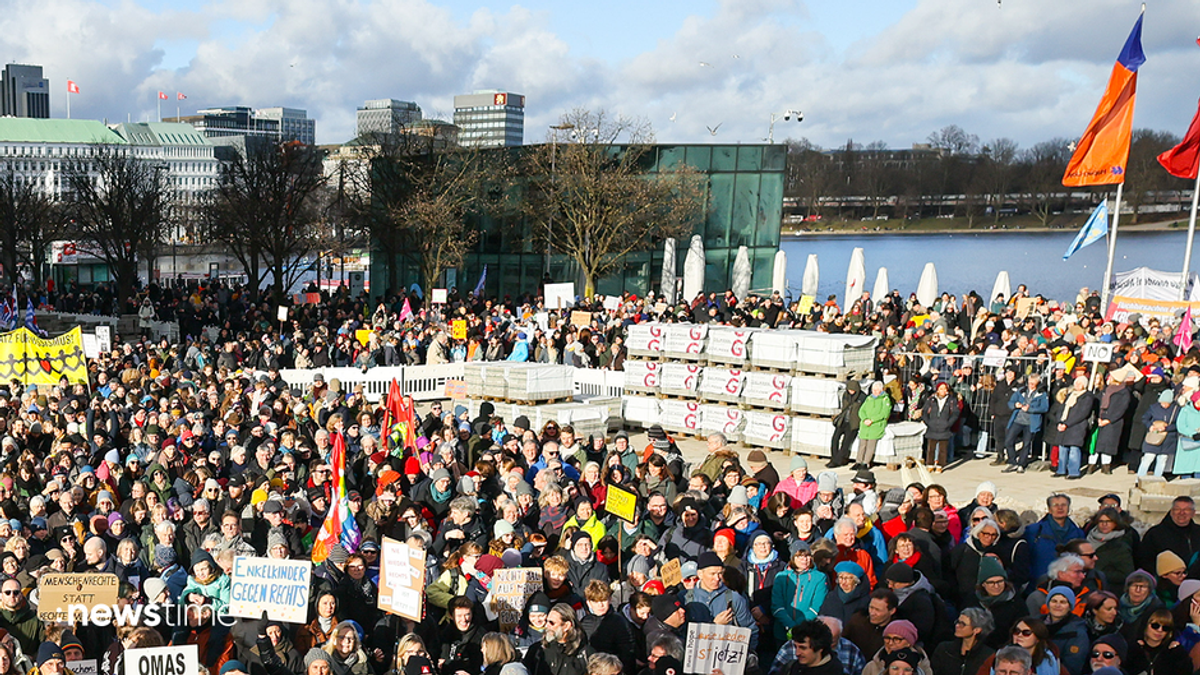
<point>740,283</point>
<point>693,269</point>
<point>882,287</point>
<point>927,288</point>
<point>667,284</point>
<point>779,274</point>
<point>856,277</point>
<point>812,276</point>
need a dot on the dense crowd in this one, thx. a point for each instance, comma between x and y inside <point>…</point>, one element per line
<point>176,458</point>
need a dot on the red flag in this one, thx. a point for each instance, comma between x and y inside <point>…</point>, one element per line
<point>1183,160</point>
<point>72,88</point>
<point>162,95</point>
<point>1103,150</point>
<point>180,97</point>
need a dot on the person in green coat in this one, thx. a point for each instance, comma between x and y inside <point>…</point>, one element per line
<point>873,417</point>
<point>1187,455</point>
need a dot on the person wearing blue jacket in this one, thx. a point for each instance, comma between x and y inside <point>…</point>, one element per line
<point>1029,406</point>
<point>798,593</point>
<point>711,599</point>
<point>1052,531</point>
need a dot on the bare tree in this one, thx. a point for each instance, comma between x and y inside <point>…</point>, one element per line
<point>996,171</point>
<point>267,209</point>
<point>809,175</point>
<point>602,198</point>
<point>30,220</point>
<point>118,207</point>
<point>1044,164</point>
<point>1144,176</point>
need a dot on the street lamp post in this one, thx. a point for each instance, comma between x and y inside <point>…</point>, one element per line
<point>785,116</point>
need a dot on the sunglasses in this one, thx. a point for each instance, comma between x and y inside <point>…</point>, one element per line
<point>1103,655</point>
<point>1161,626</point>
<point>1023,632</point>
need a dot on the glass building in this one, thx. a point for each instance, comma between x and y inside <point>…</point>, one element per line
<point>744,207</point>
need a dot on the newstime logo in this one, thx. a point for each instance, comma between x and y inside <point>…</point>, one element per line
<point>150,616</point>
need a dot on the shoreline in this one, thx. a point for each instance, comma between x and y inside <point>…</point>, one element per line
<point>1124,229</point>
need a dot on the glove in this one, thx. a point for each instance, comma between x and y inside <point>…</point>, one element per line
<point>1196,436</point>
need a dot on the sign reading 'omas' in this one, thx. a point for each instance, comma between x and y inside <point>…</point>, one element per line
<point>162,661</point>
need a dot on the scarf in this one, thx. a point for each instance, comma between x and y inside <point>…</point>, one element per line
<point>1129,612</point>
<point>326,623</point>
<point>988,601</point>
<point>911,561</point>
<point>1072,398</point>
<point>1106,397</point>
<point>439,496</point>
<point>1096,630</point>
<point>1098,538</point>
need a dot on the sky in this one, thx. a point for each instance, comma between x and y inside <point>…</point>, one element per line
<point>697,70</point>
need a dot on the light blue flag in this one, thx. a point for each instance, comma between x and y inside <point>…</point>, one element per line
<point>1093,230</point>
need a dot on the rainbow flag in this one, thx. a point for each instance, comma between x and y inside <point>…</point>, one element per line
<point>1103,150</point>
<point>339,526</point>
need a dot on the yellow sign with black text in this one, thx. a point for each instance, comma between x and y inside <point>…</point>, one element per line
<point>621,503</point>
<point>29,359</point>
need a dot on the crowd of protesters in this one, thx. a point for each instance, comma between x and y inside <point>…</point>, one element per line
<point>177,458</point>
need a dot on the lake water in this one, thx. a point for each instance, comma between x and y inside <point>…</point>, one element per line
<point>971,261</point>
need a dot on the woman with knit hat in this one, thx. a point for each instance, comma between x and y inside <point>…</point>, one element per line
<point>344,647</point>
<point>995,593</point>
<point>1067,631</point>
<point>1139,599</point>
<point>1171,572</point>
<point>850,592</point>
<point>899,635</point>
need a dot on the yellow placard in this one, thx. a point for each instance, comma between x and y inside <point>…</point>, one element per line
<point>363,335</point>
<point>456,389</point>
<point>581,319</point>
<point>621,503</point>
<point>806,303</point>
<point>458,329</point>
<point>33,360</point>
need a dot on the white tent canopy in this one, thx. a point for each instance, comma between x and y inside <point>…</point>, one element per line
<point>779,274</point>
<point>856,277</point>
<point>881,285</point>
<point>927,288</point>
<point>812,275</point>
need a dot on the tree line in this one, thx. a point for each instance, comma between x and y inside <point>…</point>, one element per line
<point>955,174</point>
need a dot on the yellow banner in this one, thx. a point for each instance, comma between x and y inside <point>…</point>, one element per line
<point>621,503</point>
<point>33,360</point>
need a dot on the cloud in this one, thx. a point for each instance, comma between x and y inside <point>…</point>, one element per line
<point>1025,69</point>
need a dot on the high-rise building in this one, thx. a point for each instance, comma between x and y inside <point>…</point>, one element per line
<point>489,119</point>
<point>25,93</point>
<point>279,124</point>
<point>386,116</point>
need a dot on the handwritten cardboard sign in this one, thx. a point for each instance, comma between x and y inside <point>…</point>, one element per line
<point>713,647</point>
<point>511,589</point>
<point>401,579</point>
<point>57,592</point>
<point>278,586</point>
<point>621,503</point>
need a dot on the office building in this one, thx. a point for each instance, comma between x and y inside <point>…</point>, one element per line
<point>25,92</point>
<point>191,164</point>
<point>489,119</point>
<point>386,116</point>
<point>277,124</point>
<point>743,207</point>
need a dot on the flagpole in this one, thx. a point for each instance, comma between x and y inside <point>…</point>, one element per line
<point>1112,249</point>
<point>159,108</point>
<point>69,108</point>
<point>1187,252</point>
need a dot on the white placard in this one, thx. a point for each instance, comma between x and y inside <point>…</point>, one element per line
<point>438,296</point>
<point>995,357</point>
<point>91,346</point>
<point>679,377</point>
<point>278,586</point>
<point>104,336</point>
<point>1097,352</point>
<point>162,661</point>
<point>721,382</point>
<point>560,296</point>
<point>281,313</point>
<point>612,303</point>
<point>84,667</point>
<point>712,647</point>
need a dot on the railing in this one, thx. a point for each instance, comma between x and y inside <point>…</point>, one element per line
<point>426,383</point>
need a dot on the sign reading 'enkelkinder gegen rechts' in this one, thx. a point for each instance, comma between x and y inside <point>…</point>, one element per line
<point>278,586</point>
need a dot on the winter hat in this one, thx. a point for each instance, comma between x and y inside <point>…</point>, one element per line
<point>709,559</point>
<point>827,481</point>
<point>275,538</point>
<point>668,665</point>
<point>986,486</point>
<point>338,555</point>
<point>488,564</point>
<point>232,665</point>
<point>316,654</point>
<point>663,606</point>
<point>1166,396</point>
<point>1168,561</point>
<point>1117,642</point>
<point>901,573</point>
<point>756,458</point>
<point>689,570</point>
<point>466,486</point>
<point>989,567</point>
<point>512,558</point>
<point>48,651</point>
<point>538,603</point>
<point>1063,591</point>
<point>909,656</point>
<point>501,528</point>
<point>798,546</point>
<point>639,564</point>
<point>738,496</point>
<point>847,567</point>
<point>655,432</point>
<point>418,665</point>
<point>153,587</point>
<point>1108,670</point>
<point>68,639</point>
<point>727,534</point>
<point>662,445</point>
<point>904,629</point>
<point>412,466</point>
<point>1143,576</point>
<point>798,462</point>
<point>201,556</point>
<point>440,474</point>
<point>1188,588</point>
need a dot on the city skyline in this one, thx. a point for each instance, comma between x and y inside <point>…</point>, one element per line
<point>890,70</point>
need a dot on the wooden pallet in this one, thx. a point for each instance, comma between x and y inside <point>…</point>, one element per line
<point>688,398</point>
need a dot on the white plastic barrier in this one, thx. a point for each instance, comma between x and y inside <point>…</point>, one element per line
<point>602,383</point>
<point>423,383</point>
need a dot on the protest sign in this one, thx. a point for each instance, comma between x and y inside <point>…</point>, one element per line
<point>278,586</point>
<point>401,579</point>
<point>612,302</point>
<point>91,346</point>
<point>581,319</point>
<point>57,592</point>
<point>281,313</point>
<point>806,304</point>
<point>511,589</point>
<point>456,389</point>
<point>672,573</point>
<point>458,329</point>
<point>712,647</point>
<point>85,667</point>
<point>620,503</point>
<point>363,336</point>
<point>558,296</point>
<point>1024,306</point>
<point>438,296</point>
<point>104,337</point>
<point>181,660</point>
